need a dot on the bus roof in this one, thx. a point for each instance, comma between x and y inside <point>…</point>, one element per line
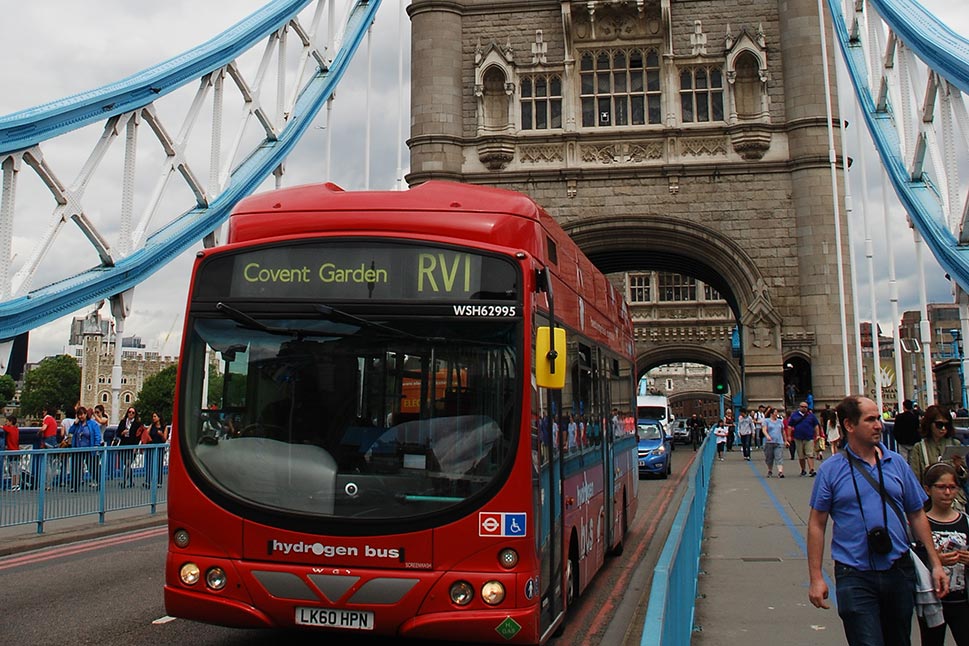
<point>435,206</point>
<point>434,210</point>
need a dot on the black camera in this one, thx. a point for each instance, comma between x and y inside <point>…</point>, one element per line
<point>879,541</point>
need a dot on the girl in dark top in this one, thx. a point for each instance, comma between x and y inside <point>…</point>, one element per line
<point>950,533</point>
<point>156,434</point>
<point>128,434</point>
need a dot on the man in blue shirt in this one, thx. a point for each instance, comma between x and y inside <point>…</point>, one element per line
<point>875,578</point>
<point>806,428</point>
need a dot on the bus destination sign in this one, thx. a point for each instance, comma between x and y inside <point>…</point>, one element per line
<point>353,271</point>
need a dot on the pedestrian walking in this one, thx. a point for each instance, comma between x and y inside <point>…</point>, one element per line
<point>806,429</point>
<point>745,429</point>
<point>129,436</point>
<point>832,431</point>
<point>85,434</point>
<point>950,538</point>
<point>697,428</point>
<point>721,433</point>
<point>772,431</point>
<point>11,439</point>
<point>154,434</point>
<point>868,492</point>
<point>938,432</point>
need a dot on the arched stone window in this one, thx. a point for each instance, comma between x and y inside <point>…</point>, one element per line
<point>495,100</point>
<point>747,88</point>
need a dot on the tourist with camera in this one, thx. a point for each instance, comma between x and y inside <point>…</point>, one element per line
<point>868,491</point>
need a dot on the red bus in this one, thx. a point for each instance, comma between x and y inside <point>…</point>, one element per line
<point>307,487</point>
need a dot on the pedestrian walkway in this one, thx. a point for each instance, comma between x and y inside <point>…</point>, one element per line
<point>18,539</point>
<point>753,585</point>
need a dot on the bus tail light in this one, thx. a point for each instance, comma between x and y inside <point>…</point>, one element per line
<point>215,578</point>
<point>493,593</point>
<point>461,593</point>
<point>189,574</point>
<point>508,558</point>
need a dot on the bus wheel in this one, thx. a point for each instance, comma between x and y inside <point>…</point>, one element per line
<point>618,549</point>
<point>572,581</point>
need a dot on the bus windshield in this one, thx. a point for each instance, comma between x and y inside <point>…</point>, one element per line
<point>346,417</point>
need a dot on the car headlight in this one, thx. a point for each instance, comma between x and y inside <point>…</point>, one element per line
<point>660,451</point>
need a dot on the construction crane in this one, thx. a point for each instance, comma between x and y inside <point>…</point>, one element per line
<point>167,336</point>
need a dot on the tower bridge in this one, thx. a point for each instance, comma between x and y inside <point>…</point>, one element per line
<point>686,137</point>
<point>668,136</point>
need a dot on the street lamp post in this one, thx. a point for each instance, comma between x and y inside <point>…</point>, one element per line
<point>913,347</point>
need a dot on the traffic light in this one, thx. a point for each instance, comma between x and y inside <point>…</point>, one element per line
<point>719,379</point>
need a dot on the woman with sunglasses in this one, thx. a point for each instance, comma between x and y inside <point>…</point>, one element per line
<point>129,435</point>
<point>937,433</point>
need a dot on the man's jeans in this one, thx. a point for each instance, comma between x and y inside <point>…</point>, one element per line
<point>745,444</point>
<point>876,607</point>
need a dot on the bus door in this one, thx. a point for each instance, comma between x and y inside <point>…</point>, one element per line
<point>548,509</point>
<point>605,439</point>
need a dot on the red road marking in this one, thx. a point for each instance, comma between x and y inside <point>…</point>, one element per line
<point>39,556</point>
<point>654,514</point>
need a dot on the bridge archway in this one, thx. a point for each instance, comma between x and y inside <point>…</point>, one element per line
<point>635,243</point>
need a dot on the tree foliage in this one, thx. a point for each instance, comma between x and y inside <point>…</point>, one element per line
<point>216,383</point>
<point>157,395</point>
<point>55,383</point>
<point>8,388</point>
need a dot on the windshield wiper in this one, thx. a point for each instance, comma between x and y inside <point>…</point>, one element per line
<point>340,316</point>
<point>248,322</point>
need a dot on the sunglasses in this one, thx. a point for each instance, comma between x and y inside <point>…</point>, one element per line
<point>940,424</point>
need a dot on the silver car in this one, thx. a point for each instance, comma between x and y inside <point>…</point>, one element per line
<point>680,431</point>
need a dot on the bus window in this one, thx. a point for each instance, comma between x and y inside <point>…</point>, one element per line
<point>437,416</point>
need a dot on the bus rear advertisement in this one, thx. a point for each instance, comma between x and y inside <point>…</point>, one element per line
<point>394,415</point>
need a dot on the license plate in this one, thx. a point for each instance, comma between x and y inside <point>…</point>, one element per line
<point>642,463</point>
<point>332,618</point>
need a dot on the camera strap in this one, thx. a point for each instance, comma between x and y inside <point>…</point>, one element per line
<point>880,488</point>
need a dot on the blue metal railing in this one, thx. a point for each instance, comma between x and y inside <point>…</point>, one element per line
<point>37,486</point>
<point>672,598</point>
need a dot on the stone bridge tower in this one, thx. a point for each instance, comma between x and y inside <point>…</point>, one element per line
<point>683,136</point>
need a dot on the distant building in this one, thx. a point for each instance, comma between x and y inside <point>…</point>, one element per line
<point>95,354</point>
<point>945,347</point>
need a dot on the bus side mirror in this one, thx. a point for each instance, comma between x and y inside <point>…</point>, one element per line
<point>550,358</point>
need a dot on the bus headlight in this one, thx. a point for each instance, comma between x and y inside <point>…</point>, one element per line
<point>181,538</point>
<point>189,574</point>
<point>215,578</point>
<point>508,558</point>
<point>461,593</point>
<point>493,593</point>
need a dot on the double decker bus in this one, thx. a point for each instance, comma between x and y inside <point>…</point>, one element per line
<point>398,413</point>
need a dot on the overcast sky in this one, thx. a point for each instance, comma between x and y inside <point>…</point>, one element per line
<point>90,44</point>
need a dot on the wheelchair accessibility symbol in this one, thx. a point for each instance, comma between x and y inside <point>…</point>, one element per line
<point>492,523</point>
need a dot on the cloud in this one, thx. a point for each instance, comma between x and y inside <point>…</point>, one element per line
<point>82,50</point>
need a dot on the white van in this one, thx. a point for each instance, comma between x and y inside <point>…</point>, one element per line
<point>654,408</point>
